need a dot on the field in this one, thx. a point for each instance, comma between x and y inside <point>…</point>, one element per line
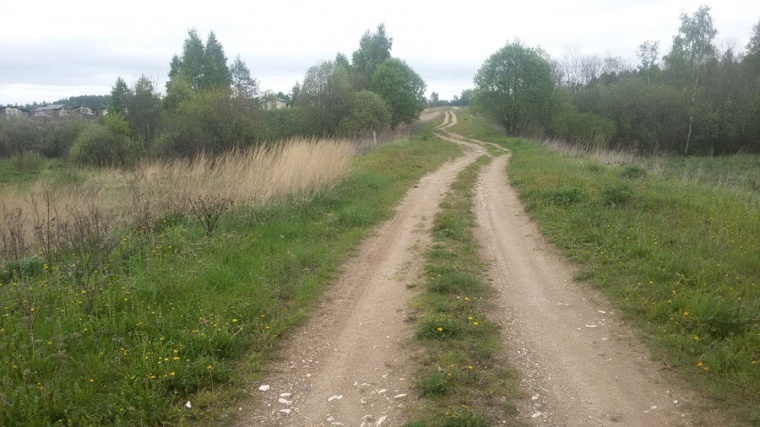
<point>176,292</point>
<point>674,242</point>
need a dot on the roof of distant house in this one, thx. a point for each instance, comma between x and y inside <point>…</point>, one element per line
<point>50,107</point>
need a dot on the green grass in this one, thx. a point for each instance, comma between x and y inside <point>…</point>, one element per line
<point>27,168</point>
<point>462,378</point>
<point>176,316</point>
<point>677,252</point>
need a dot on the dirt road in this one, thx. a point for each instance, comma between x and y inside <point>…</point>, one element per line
<point>347,365</point>
<point>580,365</point>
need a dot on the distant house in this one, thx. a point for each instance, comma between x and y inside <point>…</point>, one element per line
<point>84,110</point>
<point>9,112</point>
<point>52,110</point>
<point>274,103</point>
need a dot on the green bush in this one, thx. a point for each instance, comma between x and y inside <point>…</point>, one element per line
<point>98,146</point>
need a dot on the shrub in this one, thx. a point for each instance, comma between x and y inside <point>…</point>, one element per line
<point>99,146</point>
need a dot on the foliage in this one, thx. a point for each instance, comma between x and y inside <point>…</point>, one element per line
<point>402,89</point>
<point>120,94</point>
<point>243,85</point>
<point>367,111</point>
<point>326,90</point>
<point>101,144</point>
<point>514,88</point>
<point>374,49</point>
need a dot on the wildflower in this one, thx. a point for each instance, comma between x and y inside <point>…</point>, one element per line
<point>686,313</point>
<point>175,358</point>
<point>699,365</point>
<point>469,367</point>
<point>209,367</point>
<point>696,338</point>
<point>234,320</point>
<point>439,329</point>
<point>474,323</point>
<point>92,380</point>
<point>171,374</point>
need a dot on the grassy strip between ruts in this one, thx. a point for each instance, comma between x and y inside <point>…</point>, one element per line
<point>463,380</point>
<point>182,321</point>
<point>679,256</point>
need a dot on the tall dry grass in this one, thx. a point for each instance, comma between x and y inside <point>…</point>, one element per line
<point>595,149</point>
<point>156,188</point>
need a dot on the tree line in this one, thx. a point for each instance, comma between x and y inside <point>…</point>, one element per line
<point>212,105</point>
<point>695,100</point>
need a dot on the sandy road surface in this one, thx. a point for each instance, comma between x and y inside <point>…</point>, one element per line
<point>347,365</point>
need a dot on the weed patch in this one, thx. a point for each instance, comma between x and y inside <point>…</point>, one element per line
<point>461,379</point>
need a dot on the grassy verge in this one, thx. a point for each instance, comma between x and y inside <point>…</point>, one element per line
<point>167,326</point>
<point>678,256</point>
<point>462,379</point>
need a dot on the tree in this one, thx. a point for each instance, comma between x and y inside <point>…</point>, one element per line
<point>753,46</point>
<point>190,65</point>
<point>144,111</point>
<point>514,88</point>
<point>120,94</point>
<point>215,74</point>
<point>434,99</point>
<point>367,112</point>
<point>327,90</point>
<point>373,50</point>
<point>401,88</point>
<point>648,53</point>
<point>243,86</point>
<point>692,47</point>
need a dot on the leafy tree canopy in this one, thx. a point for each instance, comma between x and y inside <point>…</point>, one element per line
<point>374,48</point>
<point>514,87</point>
<point>401,88</point>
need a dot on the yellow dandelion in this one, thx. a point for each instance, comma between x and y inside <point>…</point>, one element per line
<point>175,358</point>
<point>439,329</point>
<point>699,365</point>
<point>685,313</point>
<point>234,320</point>
<point>171,374</point>
<point>469,366</point>
<point>474,323</point>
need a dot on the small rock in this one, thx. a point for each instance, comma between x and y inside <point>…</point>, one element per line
<point>264,387</point>
<point>188,405</point>
<point>534,397</point>
<point>284,401</point>
<point>536,415</point>
<point>382,391</point>
<point>399,396</point>
<point>286,411</point>
<point>380,421</point>
<point>336,397</point>
<point>285,394</point>
<point>591,326</point>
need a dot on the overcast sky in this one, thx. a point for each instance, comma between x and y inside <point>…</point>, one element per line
<point>56,49</point>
